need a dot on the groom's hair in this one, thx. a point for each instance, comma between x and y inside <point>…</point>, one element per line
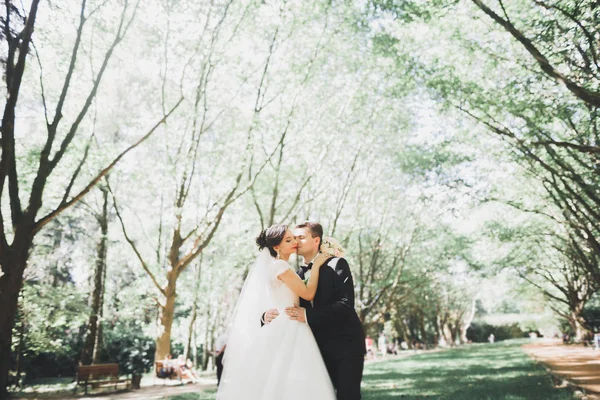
<point>316,230</point>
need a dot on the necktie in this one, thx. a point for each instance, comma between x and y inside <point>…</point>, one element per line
<point>306,267</point>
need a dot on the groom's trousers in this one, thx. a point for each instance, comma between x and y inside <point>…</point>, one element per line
<point>346,375</point>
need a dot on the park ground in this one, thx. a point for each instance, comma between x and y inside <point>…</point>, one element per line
<point>511,370</point>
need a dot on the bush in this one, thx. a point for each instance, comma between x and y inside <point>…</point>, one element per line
<point>126,344</point>
<point>479,332</point>
<point>591,315</point>
<point>50,324</point>
<point>46,365</point>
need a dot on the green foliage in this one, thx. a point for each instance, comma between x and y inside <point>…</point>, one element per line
<point>55,320</point>
<point>49,329</point>
<point>52,317</point>
<point>435,161</point>
<point>411,10</point>
<point>591,314</point>
<point>125,344</point>
<point>479,332</point>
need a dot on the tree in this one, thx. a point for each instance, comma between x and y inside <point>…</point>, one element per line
<point>553,262</point>
<point>187,241</point>
<point>16,236</point>
<point>380,274</point>
<point>93,341</point>
<point>533,83</point>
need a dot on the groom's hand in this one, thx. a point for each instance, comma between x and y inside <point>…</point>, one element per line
<point>271,315</point>
<point>296,313</point>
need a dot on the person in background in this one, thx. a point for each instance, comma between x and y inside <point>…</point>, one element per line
<point>219,352</point>
<point>190,367</point>
<point>369,345</point>
<point>168,367</point>
<point>382,344</point>
<point>183,371</point>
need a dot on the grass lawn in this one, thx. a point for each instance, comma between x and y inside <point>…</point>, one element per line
<point>207,395</point>
<point>501,371</point>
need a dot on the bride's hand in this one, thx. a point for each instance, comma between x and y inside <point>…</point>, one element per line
<point>320,260</point>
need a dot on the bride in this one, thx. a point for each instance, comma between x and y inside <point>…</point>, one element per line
<point>281,360</point>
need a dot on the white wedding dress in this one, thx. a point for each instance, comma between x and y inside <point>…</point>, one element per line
<point>282,360</point>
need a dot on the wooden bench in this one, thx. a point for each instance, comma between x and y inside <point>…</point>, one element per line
<point>158,372</point>
<point>99,375</point>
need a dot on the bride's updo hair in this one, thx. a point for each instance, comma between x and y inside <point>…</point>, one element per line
<point>271,237</point>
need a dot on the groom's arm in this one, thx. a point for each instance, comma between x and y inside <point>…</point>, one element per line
<point>332,314</point>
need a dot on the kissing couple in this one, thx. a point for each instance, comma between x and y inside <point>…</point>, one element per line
<point>294,335</point>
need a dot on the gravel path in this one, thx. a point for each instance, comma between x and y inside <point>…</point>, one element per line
<point>579,365</point>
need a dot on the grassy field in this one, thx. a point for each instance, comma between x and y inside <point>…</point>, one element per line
<point>477,372</point>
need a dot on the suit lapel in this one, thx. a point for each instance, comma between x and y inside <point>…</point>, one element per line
<point>303,303</point>
<point>326,282</point>
<point>322,289</point>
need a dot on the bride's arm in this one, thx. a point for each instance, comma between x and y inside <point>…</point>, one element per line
<point>293,281</point>
<point>343,308</point>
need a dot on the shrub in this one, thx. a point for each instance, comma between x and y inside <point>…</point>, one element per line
<point>479,332</point>
<point>126,344</point>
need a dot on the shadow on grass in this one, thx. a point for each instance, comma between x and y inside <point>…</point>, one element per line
<point>495,372</point>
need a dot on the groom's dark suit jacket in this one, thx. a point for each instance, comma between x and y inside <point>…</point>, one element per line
<point>332,317</point>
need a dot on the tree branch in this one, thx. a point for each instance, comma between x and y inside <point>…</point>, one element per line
<point>77,171</point>
<point>121,32</point>
<point>43,221</point>
<point>132,243</point>
<point>14,77</point>
<point>589,97</point>
<point>63,95</point>
<point>583,149</point>
<point>589,37</point>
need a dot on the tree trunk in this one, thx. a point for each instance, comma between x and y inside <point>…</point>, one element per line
<point>459,329</point>
<point>20,347</point>
<point>403,329</point>
<point>90,351</point>
<point>362,315</point>
<point>166,312</point>
<point>577,324</point>
<point>100,336</point>
<point>99,344</point>
<point>443,331</point>
<point>13,263</point>
<point>195,348</point>
<point>56,272</point>
<point>436,332</point>
<point>205,355</point>
<point>210,344</point>
<point>422,330</point>
<point>453,329</point>
<point>468,321</point>
<point>188,348</point>
<point>448,334</point>
<point>206,351</point>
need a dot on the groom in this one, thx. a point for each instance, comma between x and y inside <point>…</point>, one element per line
<point>331,314</point>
